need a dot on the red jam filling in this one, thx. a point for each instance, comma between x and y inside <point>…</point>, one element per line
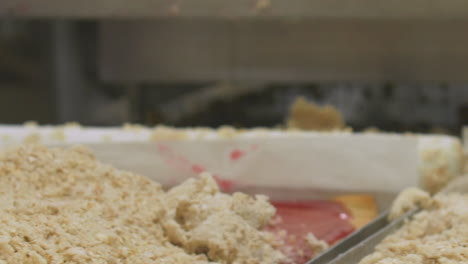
<point>327,220</point>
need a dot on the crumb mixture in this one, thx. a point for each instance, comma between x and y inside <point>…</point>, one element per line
<point>62,206</point>
<point>436,235</point>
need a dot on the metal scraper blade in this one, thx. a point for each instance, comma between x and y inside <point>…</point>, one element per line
<point>361,243</point>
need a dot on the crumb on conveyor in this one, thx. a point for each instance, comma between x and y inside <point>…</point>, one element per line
<point>309,116</point>
<point>62,206</point>
<point>437,235</point>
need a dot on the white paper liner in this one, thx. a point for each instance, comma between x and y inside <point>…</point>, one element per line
<point>261,157</point>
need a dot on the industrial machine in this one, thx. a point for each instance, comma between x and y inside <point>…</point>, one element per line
<point>188,45</point>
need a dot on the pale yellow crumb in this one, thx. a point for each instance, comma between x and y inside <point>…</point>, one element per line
<point>31,124</point>
<point>437,234</point>
<point>72,125</point>
<point>317,246</point>
<point>63,206</point>
<point>407,200</point>
<point>372,130</point>
<point>132,127</point>
<point>305,115</point>
<point>203,220</point>
<point>58,134</point>
<point>33,138</point>
<point>441,161</point>
<point>227,132</point>
<point>162,133</point>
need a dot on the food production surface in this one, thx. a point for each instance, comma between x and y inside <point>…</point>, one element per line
<point>323,192</point>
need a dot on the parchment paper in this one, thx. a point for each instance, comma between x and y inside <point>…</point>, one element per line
<point>334,161</point>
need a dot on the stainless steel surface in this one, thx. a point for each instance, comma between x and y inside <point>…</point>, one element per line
<point>68,76</point>
<point>238,8</point>
<point>352,240</point>
<point>284,51</point>
<point>365,245</point>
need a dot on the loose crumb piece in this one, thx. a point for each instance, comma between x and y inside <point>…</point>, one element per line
<point>31,124</point>
<point>436,235</point>
<point>441,161</point>
<point>162,133</point>
<point>62,206</point>
<point>372,130</point>
<point>58,134</point>
<point>72,125</point>
<point>132,127</point>
<point>317,246</point>
<point>407,200</point>
<point>225,228</point>
<point>227,132</point>
<point>308,116</point>
<point>34,138</point>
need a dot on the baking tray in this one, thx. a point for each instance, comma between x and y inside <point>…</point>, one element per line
<point>363,242</point>
<point>136,149</point>
<point>373,229</point>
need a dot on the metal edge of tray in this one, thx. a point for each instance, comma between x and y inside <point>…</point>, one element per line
<point>352,240</point>
<point>362,242</point>
<point>98,9</point>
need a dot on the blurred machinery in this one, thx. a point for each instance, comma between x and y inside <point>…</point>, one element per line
<point>193,61</point>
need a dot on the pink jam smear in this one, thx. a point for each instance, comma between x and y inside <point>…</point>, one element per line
<point>327,220</point>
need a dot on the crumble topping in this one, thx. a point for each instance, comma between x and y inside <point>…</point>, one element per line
<point>62,206</point>
<point>437,234</point>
